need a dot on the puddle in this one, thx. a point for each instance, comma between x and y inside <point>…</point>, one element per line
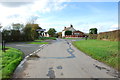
<point>59,67</point>
<point>61,74</point>
<point>51,73</point>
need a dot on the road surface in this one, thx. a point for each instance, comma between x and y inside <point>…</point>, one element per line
<point>26,48</point>
<point>62,60</point>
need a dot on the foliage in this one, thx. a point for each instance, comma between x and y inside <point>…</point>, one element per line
<point>68,32</point>
<point>17,26</point>
<point>27,30</point>
<point>35,33</point>
<point>104,51</point>
<point>51,32</point>
<point>93,31</point>
<point>15,35</point>
<point>110,36</point>
<point>60,34</point>
<point>28,33</point>
<point>10,60</point>
<point>93,36</point>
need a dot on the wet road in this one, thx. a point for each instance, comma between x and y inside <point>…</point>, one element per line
<point>62,60</point>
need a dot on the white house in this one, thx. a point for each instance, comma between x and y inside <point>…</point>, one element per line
<point>75,33</point>
<point>67,29</point>
<point>45,34</point>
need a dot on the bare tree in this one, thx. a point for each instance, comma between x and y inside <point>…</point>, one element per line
<point>32,19</point>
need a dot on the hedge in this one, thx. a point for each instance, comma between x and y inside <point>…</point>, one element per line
<point>93,36</point>
<point>110,36</point>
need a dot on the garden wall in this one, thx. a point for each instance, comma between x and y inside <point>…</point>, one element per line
<point>110,36</point>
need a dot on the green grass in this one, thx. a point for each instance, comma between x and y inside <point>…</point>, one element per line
<point>45,38</point>
<point>104,51</point>
<point>37,43</point>
<point>9,61</point>
<point>72,38</point>
<point>38,40</point>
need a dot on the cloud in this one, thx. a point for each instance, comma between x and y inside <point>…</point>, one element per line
<point>14,4</point>
<point>23,11</point>
<point>113,27</point>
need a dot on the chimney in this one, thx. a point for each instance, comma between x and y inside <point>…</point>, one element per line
<point>71,25</point>
<point>64,27</point>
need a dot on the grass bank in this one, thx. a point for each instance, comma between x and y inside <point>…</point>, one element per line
<point>37,43</point>
<point>45,38</point>
<point>74,38</point>
<point>104,51</point>
<point>9,61</point>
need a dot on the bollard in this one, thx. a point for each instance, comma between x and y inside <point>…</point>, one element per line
<point>85,37</point>
<point>3,46</point>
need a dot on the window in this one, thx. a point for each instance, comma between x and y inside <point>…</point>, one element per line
<point>76,33</point>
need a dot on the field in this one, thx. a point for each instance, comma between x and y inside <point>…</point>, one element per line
<point>104,51</point>
<point>9,60</point>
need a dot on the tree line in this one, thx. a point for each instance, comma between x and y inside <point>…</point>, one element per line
<point>20,32</point>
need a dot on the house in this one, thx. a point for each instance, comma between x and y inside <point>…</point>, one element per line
<point>75,33</point>
<point>45,34</point>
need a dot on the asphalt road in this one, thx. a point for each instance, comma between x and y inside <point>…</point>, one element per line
<point>62,60</point>
<point>25,48</point>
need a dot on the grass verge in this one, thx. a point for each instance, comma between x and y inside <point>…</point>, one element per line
<point>38,40</point>
<point>9,61</point>
<point>37,43</point>
<point>45,38</point>
<point>104,51</point>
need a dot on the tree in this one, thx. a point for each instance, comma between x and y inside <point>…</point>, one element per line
<point>35,33</point>
<point>0,26</point>
<point>17,26</point>
<point>93,31</point>
<point>27,30</point>
<point>51,32</point>
<point>59,34</point>
<point>68,32</point>
<point>30,31</point>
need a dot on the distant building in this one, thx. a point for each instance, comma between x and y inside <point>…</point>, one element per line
<point>45,34</point>
<point>75,33</point>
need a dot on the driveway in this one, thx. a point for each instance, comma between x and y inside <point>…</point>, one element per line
<point>62,60</point>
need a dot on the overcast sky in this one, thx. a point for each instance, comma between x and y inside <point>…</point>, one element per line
<point>57,14</point>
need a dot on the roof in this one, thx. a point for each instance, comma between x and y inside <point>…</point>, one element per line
<point>67,28</point>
